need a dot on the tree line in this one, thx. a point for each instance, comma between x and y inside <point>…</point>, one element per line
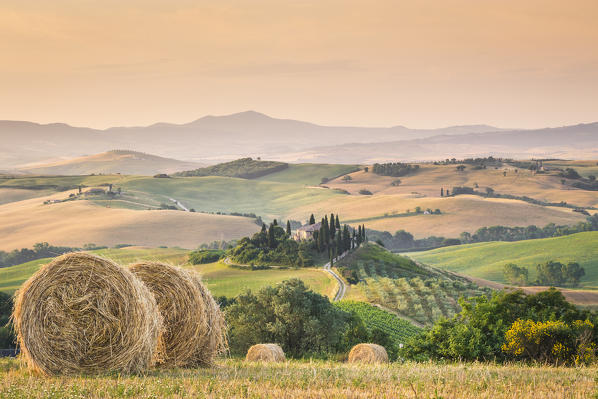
<point>551,273</point>
<point>395,169</point>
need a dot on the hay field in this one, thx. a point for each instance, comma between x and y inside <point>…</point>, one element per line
<point>314,379</point>
<point>461,213</point>
<point>8,195</point>
<point>430,178</point>
<point>76,223</point>
<point>486,260</point>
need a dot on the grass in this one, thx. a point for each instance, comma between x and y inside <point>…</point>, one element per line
<point>310,174</point>
<point>312,379</point>
<point>486,260</point>
<point>220,278</point>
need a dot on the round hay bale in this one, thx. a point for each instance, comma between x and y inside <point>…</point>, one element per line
<point>84,314</point>
<point>182,308</point>
<point>265,353</point>
<point>368,353</point>
<point>213,342</point>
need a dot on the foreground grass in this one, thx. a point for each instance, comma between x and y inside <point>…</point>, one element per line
<point>305,379</point>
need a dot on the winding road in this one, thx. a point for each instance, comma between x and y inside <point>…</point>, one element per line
<point>342,287</point>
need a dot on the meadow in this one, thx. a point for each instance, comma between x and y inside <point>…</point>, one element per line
<point>220,278</point>
<point>233,378</point>
<point>486,260</point>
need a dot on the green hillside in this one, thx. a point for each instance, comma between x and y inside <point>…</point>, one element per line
<point>220,278</point>
<point>398,329</point>
<point>245,168</point>
<point>418,293</point>
<point>309,173</point>
<point>486,260</point>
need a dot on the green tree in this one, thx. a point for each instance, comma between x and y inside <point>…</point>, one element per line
<point>337,223</point>
<point>572,273</point>
<point>289,228</point>
<point>312,219</point>
<point>515,275</point>
<point>550,273</point>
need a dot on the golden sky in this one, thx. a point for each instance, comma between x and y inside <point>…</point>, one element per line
<point>420,63</point>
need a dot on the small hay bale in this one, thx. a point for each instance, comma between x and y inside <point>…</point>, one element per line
<point>368,353</point>
<point>82,314</point>
<point>182,308</point>
<point>213,342</point>
<point>265,353</point>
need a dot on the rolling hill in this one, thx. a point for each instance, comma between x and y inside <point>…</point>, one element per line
<point>112,162</point>
<point>75,223</point>
<point>486,260</point>
<point>216,138</point>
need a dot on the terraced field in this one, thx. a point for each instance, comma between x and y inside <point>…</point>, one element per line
<point>417,293</point>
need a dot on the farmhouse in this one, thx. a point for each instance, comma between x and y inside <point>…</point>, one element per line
<point>306,232</point>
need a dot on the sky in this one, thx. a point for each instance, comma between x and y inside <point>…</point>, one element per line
<point>419,63</point>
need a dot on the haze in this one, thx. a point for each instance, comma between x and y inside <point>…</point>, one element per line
<point>416,63</point>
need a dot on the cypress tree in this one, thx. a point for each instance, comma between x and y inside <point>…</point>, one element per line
<point>312,219</point>
<point>275,223</point>
<point>263,227</point>
<point>338,223</point>
<point>364,238</point>
<point>271,239</point>
<point>441,192</point>
<point>288,227</point>
<point>332,226</point>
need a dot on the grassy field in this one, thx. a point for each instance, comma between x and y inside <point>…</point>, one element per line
<point>220,278</point>
<point>486,260</point>
<point>310,174</point>
<point>75,223</point>
<point>312,379</point>
<point>461,213</point>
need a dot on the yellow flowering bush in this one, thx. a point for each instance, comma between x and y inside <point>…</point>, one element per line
<point>554,342</point>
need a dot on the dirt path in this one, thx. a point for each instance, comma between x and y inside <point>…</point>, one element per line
<point>342,287</point>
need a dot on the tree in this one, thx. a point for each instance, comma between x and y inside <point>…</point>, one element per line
<point>489,191</point>
<point>289,228</point>
<point>332,226</point>
<point>300,320</point>
<point>312,219</point>
<point>550,273</point>
<point>441,192</point>
<point>338,223</point>
<point>572,273</point>
<point>274,222</point>
<point>271,237</point>
<point>448,194</point>
<point>366,169</point>
<point>515,275</point>
<point>347,178</point>
<point>263,227</point>
<point>460,168</point>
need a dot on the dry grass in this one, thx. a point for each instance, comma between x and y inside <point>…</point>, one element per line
<point>368,353</point>
<point>305,379</point>
<point>79,222</point>
<point>461,213</point>
<point>85,314</point>
<point>265,353</point>
<point>182,308</point>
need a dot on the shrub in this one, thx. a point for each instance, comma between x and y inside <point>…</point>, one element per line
<point>554,342</point>
<point>364,191</point>
<point>205,256</point>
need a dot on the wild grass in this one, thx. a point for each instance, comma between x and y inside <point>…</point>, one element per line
<point>313,379</point>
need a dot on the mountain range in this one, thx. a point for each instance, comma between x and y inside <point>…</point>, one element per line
<point>212,139</point>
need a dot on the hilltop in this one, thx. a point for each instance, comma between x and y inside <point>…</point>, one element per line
<point>244,168</point>
<point>111,162</point>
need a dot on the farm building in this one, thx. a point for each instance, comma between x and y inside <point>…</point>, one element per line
<point>306,232</point>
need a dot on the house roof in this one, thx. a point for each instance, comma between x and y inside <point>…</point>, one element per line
<point>310,227</point>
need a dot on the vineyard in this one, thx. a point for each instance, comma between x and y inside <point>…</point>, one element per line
<point>399,330</point>
<point>421,294</point>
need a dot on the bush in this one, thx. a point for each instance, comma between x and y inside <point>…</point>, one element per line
<point>363,191</point>
<point>298,319</point>
<point>554,342</point>
<point>205,256</point>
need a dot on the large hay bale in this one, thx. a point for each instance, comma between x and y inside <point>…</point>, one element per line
<point>213,342</point>
<point>84,314</point>
<point>368,353</point>
<point>265,353</point>
<point>183,310</point>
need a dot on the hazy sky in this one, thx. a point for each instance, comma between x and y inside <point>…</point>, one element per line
<point>511,63</point>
